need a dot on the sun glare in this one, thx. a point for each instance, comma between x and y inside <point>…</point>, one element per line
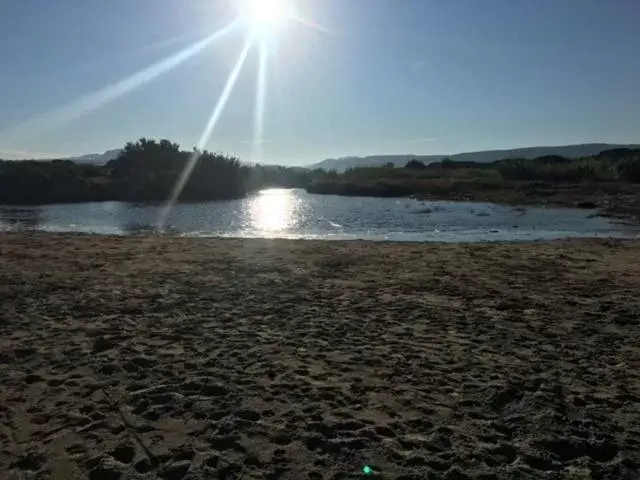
<point>264,18</point>
<point>273,210</point>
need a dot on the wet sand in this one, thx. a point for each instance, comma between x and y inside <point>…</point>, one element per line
<point>270,359</point>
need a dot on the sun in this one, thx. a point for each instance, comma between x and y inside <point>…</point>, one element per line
<point>265,18</point>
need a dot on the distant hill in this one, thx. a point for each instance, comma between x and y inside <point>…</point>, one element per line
<point>571,151</point>
<point>97,158</point>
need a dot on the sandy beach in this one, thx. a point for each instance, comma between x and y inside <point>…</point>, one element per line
<point>176,358</point>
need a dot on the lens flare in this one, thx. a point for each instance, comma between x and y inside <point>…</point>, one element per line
<point>264,18</point>
<point>95,100</point>
<point>206,135</point>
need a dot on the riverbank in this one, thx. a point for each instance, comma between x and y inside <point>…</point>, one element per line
<point>122,357</point>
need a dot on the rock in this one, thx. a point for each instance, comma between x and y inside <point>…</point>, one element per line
<point>586,204</point>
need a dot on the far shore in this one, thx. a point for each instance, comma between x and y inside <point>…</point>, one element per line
<point>167,357</point>
<point>613,200</point>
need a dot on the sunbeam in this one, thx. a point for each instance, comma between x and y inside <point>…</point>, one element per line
<point>261,97</point>
<point>125,55</point>
<point>206,134</point>
<point>95,100</point>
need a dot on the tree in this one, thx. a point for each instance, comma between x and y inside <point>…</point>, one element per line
<point>447,163</point>
<point>629,169</point>
<point>148,170</point>
<point>415,165</point>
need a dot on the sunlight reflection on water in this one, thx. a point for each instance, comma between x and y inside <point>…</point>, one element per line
<point>273,210</point>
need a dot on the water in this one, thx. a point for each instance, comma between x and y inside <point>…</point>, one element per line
<point>292,213</point>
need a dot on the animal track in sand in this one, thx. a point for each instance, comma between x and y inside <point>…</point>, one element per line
<point>478,368</point>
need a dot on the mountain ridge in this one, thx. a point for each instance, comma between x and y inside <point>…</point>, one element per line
<point>97,158</point>
<point>484,156</point>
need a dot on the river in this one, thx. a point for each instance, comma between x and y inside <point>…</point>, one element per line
<point>293,213</point>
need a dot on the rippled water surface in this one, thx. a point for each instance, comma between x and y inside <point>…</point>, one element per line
<point>291,213</point>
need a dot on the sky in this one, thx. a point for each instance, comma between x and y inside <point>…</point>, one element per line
<point>357,77</point>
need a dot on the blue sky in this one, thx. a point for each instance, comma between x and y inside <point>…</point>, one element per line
<point>389,76</point>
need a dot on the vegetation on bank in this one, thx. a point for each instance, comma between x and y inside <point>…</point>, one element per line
<point>611,171</point>
<point>146,170</point>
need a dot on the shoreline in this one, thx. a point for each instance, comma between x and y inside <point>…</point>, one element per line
<point>155,356</point>
<point>150,235</point>
<point>612,200</point>
<point>148,239</point>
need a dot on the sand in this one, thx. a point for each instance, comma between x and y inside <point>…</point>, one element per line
<point>269,359</point>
